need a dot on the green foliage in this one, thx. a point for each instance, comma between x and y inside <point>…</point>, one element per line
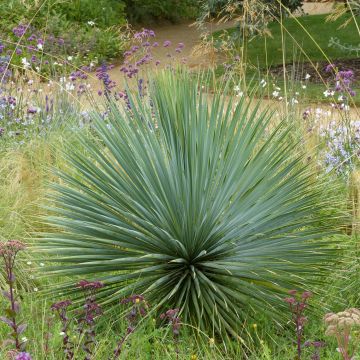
<point>149,10</point>
<point>276,6</point>
<point>104,13</point>
<point>307,36</point>
<point>194,202</point>
<point>91,30</point>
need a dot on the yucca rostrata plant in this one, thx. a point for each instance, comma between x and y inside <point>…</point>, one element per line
<point>193,200</point>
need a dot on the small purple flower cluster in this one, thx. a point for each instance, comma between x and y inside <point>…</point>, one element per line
<point>138,311</point>
<point>344,80</point>
<point>342,146</point>
<point>86,320</point>
<point>316,345</point>
<point>8,252</point>
<point>298,303</point>
<point>23,356</point>
<point>20,30</point>
<point>172,317</point>
<point>103,75</point>
<point>141,53</point>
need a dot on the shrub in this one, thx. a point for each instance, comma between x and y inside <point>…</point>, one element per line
<point>173,10</point>
<point>196,202</point>
<point>72,28</point>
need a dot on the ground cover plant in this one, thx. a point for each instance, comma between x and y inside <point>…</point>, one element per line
<point>149,212</point>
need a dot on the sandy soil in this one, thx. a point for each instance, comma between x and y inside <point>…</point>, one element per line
<point>318,8</point>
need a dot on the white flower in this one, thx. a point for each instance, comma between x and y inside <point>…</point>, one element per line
<point>42,264</point>
<point>69,58</point>
<point>275,94</point>
<point>24,339</point>
<point>30,82</point>
<point>37,68</point>
<point>240,94</point>
<point>91,23</point>
<point>304,86</point>
<point>69,87</point>
<point>62,79</point>
<point>294,101</point>
<point>328,93</point>
<point>25,63</point>
<point>61,333</point>
<point>307,76</point>
<point>39,46</point>
<point>29,262</point>
<point>263,83</point>
<point>36,289</point>
<point>237,88</point>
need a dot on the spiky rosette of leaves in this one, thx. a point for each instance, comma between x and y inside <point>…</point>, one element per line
<point>195,201</point>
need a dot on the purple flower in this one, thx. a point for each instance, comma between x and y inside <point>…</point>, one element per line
<point>23,356</point>
<point>32,38</point>
<point>11,247</point>
<point>84,284</point>
<point>135,299</point>
<point>31,110</point>
<point>146,33</point>
<point>167,43</point>
<point>61,305</point>
<point>20,30</point>
<point>330,68</point>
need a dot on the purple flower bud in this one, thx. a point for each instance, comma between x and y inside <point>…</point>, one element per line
<point>167,43</point>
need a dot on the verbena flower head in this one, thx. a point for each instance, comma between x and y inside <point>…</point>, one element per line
<point>330,68</point>
<point>169,314</point>
<point>23,356</point>
<point>167,43</point>
<point>61,305</point>
<point>134,299</point>
<point>174,320</point>
<point>89,285</point>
